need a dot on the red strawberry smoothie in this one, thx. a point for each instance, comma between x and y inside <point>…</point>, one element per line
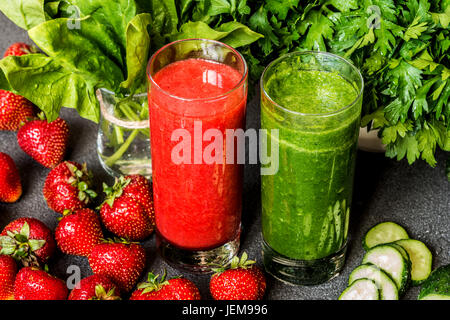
<point>197,205</point>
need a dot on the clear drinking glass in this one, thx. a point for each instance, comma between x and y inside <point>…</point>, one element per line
<point>197,88</point>
<point>313,101</point>
<point>123,141</point>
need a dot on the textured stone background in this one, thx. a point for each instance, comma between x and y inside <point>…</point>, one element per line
<point>415,196</point>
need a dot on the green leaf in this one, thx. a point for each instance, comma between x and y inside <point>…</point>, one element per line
<point>377,118</point>
<point>21,238</point>
<point>238,35</point>
<point>25,230</point>
<point>431,134</point>
<point>399,130</point>
<point>36,244</point>
<point>420,103</point>
<point>114,16</point>
<point>415,30</point>
<point>424,61</point>
<point>344,5</point>
<point>232,33</point>
<point>259,22</point>
<point>24,13</point>
<point>138,48</point>
<point>403,79</point>
<point>7,244</point>
<point>281,7</point>
<point>49,85</point>
<point>442,18</point>
<point>404,147</point>
<point>164,16</point>
<point>217,7</point>
<point>75,51</point>
<point>317,28</point>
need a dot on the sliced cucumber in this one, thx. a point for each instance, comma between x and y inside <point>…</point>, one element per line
<point>402,250</point>
<point>435,297</point>
<point>421,259</point>
<point>392,261</point>
<point>361,289</point>
<point>388,288</point>
<point>437,286</point>
<point>384,232</point>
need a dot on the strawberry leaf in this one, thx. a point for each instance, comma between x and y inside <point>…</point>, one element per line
<point>25,230</point>
<point>36,244</point>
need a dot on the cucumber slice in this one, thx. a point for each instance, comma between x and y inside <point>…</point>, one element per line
<point>384,232</point>
<point>388,288</point>
<point>437,286</point>
<point>421,259</point>
<point>391,260</point>
<point>402,250</point>
<point>435,297</point>
<point>361,289</point>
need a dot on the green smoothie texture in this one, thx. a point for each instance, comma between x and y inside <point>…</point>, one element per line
<point>306,204</point>
<point>310,91</point>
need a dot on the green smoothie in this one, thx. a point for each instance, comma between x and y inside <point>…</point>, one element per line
<point>306,204</point>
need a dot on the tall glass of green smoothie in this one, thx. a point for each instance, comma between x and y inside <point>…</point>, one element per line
<point>313,100</point>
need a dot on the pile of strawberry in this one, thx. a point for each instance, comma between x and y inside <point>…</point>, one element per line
<point>127,212</point>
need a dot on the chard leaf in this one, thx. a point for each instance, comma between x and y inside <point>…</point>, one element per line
<point>138,47</point>
<point>217,7</point>
<point>49,85</point>
<point>114,16</point>
<point>24,13</point>
<point>232,33</point>
<point>164,16</point>
<point>76,52</point>
<point>51,8</point>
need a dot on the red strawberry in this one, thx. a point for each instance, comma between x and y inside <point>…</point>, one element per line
<point>122,262</point>
<point>10,186</point>
<point>78,232</point>
<point>36,284</point>
<point>67,187</point>
<point>14,110</point>
<point>8,270</point>
<point>19,49</point>
<point>46,142</point>
<point>95,287</point>
<point>27,240</point>
<point>128,209</point>
<point>174,289</point>
<point>140,189</point>
<point>241,281</point>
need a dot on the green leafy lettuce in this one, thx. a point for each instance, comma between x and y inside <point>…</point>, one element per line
<point>87,45</point>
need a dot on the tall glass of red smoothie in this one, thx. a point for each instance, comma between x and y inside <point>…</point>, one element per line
<point>197,95</point>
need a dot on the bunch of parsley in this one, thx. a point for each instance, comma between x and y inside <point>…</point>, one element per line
<point>401,48</point>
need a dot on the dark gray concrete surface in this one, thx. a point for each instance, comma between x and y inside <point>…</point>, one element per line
<point>417,197</point>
